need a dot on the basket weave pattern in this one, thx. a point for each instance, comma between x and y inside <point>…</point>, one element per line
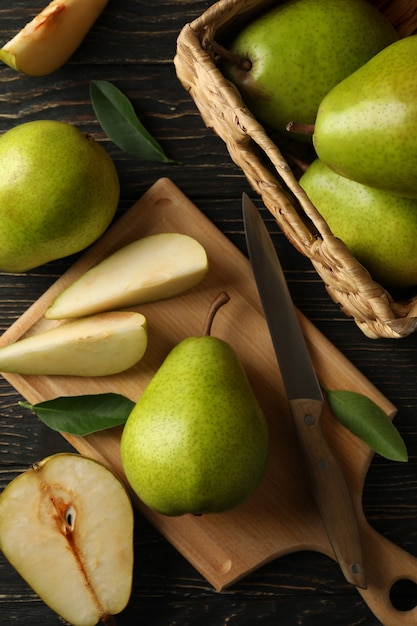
<point>222,110</point>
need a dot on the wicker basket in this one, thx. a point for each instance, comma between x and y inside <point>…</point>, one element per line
<point>349,284</point>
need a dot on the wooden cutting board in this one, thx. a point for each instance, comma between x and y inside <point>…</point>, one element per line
<point>280,516</point>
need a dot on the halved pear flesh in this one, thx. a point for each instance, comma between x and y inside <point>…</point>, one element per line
<point>153,268</point>
<point>66,526</point>
<point>95,346</point>
<point>48,41</point>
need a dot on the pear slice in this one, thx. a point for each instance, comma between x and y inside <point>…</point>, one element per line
<point>48,41</point>
<point>66,526</point>
<point>153,268</point>
<point>99,345</point>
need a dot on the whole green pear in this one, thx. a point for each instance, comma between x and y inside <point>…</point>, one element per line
<point>59,190</point>
<point>299,50</point>
<point>378,227</point>
<point>197,439</point>
<point>366,125</point>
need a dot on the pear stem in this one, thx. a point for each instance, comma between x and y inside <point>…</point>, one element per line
<point>298,127</point>
<point>108,620</point>
<point>300,163</point>
<point>218,302</point>
<point>213,46</point>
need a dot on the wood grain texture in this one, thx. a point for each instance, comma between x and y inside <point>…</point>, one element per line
<point>132,45</point>
<point>280,517</point>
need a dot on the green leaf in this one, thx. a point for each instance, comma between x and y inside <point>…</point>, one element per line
<point>83,415</point>
<point>367,420</point>
<point>119,121</point>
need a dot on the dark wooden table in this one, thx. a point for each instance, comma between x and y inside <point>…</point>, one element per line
<point>132,45</point>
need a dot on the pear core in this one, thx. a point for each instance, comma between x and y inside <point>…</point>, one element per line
<point>59,191</point>
<point>66,526</point>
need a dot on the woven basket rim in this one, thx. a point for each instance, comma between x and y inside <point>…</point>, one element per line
<point>220,104</point>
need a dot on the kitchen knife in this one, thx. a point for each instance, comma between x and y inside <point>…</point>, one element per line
<point>305,397</point>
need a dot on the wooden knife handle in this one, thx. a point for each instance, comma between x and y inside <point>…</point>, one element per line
<point>330,490</point>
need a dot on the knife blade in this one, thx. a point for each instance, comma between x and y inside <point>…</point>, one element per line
<point>305,397</point>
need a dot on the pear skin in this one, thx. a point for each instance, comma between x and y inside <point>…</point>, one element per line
<point>48,41</point>
<point>58,209</point>
<point>365,126</point>
<point>197,439</point>
<point>378,227</point>
<point>298,51</point>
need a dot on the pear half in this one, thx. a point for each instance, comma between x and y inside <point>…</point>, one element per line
<point>95,346</point>
<point>66,526</point>
<point>152,268</point>
<point>48,41</point>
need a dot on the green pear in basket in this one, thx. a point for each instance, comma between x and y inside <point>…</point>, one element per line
<point>366,126</point>
<point>378,227</point>
<point>298,51</point>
